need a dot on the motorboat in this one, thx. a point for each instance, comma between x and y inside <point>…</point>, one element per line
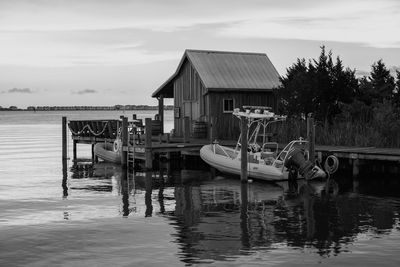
<point>264,160</point>
<point>109,152</point>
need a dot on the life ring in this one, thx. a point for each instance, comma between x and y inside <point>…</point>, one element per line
<point>117,145</point>
<point>331,164</point>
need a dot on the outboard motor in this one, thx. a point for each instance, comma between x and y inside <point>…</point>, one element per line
<point>306,168</point>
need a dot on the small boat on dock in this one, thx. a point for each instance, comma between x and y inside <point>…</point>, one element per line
<point>109,152</point>
<point>265,162</point>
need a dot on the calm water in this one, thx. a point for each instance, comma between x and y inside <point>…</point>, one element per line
<point>98,215</point>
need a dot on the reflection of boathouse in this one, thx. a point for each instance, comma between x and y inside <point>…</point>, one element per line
<point>215,224</point>
<point>208,85</point>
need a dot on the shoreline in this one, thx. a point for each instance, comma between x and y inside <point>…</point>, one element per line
<point>88,108</point>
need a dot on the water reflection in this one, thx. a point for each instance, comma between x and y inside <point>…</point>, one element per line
<point>135,188</point>
<point>218,218</point>
<point>147,196</point>
<point>65,178</point>
<point>221,219</point>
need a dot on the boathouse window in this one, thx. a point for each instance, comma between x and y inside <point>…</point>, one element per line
<point>228,105</point>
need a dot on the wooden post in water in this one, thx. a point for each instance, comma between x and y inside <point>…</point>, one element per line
<point>64,138</point>
<point>161,111</point>
<point>243,150</point>
<point>148,145</point>
<point>168,141</point>
<point>356,167</point>
<point>74,144</point>
<point>311,137</point>
<point>93,155</point>
<point>124,137</point>
<point>186,129</point>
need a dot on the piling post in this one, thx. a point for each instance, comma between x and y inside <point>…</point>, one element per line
<point>94,160</point>
<point>74,153</point>
<point>134,116</point>
<point>356,167</point>
<point>124,137</point>
<point>186,129</point>
<point>311,137</point>
<point>161,112</point>
<point>64,138</point>
<point>211,126</point>
<point>243,150</point>
<point>168,141</point>
<point>148,145</point>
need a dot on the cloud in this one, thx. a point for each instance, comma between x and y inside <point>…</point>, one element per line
<point>114,47</point>
<point>20,91</point>
<point>120,33</point>
<point>86,91</point>
<point>370,23</point>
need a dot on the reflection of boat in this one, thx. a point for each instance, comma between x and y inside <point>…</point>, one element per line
<point>220,218</point>
<point>264,161</point>
<point>109,152</point>
<point>222,190</point>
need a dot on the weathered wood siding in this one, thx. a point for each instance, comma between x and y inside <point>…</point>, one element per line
<point>226,126</point>
<point>188,96</point>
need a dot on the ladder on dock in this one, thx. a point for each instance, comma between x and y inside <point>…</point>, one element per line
<point>136,130</point>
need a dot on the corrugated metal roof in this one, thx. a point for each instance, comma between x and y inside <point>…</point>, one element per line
<point>228,71</point>
<point>233,70</point>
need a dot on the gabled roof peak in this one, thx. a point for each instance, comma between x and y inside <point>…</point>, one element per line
<point>222,52</point>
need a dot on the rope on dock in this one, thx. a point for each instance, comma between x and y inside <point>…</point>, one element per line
<point>90,130</point>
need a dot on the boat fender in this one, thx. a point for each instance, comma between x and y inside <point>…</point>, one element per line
<point>331,164</point>
<point>117,145</point>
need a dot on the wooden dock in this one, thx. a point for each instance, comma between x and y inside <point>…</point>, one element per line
<point>144,143</point>
<point>358,157</point>
<point>141,144</point>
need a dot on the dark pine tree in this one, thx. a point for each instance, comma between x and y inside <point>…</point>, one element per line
<point>382,82</point>
<point>396,95</point>
<point>319,87</point>
<point>295,91</point>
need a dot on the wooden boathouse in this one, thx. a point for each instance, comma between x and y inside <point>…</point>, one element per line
<point>208,85</point>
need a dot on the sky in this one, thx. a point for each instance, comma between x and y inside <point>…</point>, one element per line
<point>102,52</point>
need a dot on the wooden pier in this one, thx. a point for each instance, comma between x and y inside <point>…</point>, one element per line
<point>142,142</point>
<point>139,141</point>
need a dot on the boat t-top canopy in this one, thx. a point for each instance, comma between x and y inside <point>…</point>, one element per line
<point>259,116</point>
<point>257,112</point>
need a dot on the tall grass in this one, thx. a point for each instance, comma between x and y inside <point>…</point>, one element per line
<point>383,130</point>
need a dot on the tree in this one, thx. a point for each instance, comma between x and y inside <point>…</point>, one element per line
<point>382,82</point>
<point>319,87</point>
<point>396,95</point>
<point>295,92</point>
